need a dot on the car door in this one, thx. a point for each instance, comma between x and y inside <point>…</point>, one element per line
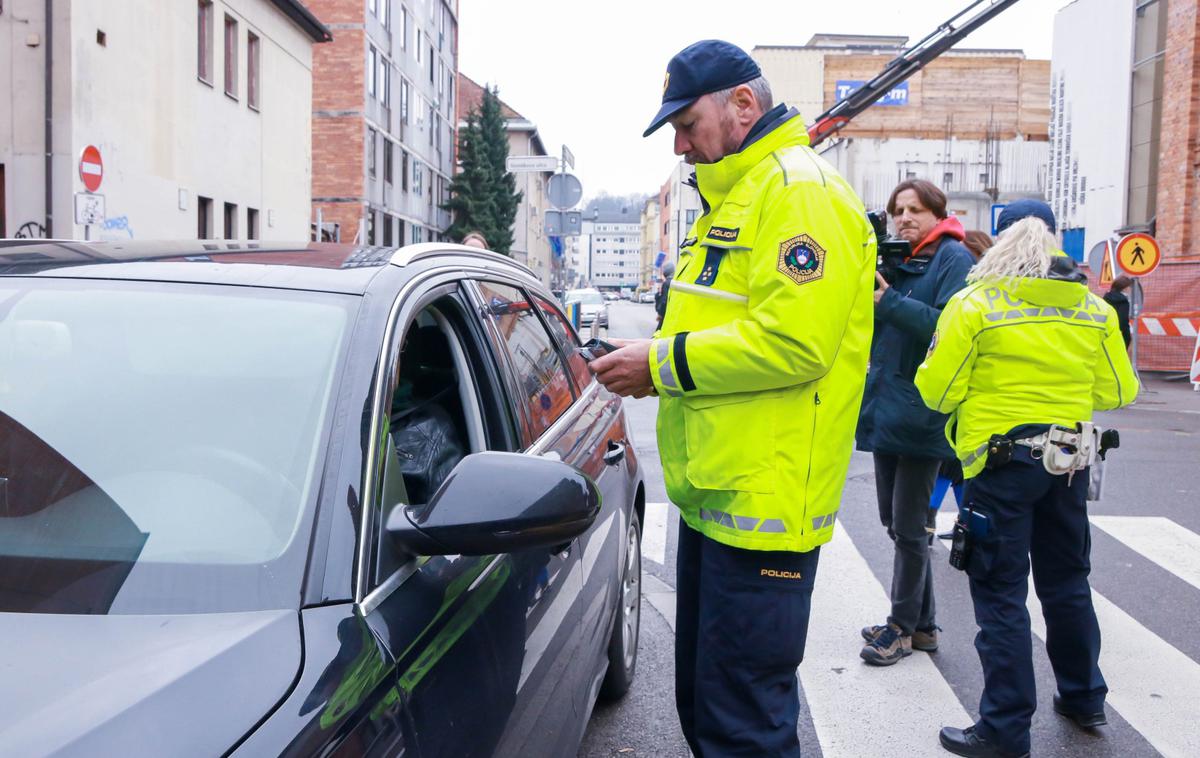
<point>595,443</point>
<point>539,380</point>
<point>470,670</point>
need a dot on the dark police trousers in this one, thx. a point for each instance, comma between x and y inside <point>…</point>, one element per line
<point>741,619</point>
<point>1034,515</point>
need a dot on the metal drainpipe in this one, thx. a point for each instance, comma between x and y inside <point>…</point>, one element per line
<point>49,138</point>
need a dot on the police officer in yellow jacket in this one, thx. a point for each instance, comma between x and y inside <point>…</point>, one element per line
<point>1021,358</point>
<point>759,367</point>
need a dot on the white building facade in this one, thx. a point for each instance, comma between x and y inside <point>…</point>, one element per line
<point>201,112</point>
<point>1089,117</point>
<point>615,243</point>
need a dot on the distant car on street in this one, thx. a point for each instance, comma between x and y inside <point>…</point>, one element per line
<point>592,306</point>
<point>309,499</point>
<point>646,296</point>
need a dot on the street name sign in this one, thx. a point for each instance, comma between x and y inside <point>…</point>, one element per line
<point>519,163</point>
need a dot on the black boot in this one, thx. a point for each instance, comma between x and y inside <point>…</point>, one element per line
<point>967,742</point>
<point>1082,720</point>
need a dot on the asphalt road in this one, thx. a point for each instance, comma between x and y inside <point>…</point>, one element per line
<point>1145,580</point>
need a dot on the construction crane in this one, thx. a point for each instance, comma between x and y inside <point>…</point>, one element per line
<point>905,65</point>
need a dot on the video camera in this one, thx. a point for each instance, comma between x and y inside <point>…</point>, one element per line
<point>892,251</point>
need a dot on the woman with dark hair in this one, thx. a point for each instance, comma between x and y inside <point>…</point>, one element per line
<point>977,242</point>
<point>909,440</point>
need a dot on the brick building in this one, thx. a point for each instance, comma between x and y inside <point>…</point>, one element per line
<point>384,119</point>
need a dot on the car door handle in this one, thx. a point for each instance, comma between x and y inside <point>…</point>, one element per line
<point>615,453</point>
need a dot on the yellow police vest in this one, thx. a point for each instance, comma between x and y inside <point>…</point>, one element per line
<point>1029,351</point>
<point>762,356</point>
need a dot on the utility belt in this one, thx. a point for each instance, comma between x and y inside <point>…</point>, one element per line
<point>1062,450</point>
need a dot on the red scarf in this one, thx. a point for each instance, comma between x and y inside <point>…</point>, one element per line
<point>949,227</point>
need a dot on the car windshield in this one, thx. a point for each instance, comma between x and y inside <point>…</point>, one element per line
<point>160,443</point>
<point>585,297</point>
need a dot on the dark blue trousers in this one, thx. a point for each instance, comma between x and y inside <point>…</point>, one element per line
<point>1033,515</point>
<point>741,620</point>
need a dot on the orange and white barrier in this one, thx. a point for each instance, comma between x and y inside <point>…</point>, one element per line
<point>1169,324</point>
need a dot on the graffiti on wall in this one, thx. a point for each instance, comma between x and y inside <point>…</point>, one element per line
<point>116,229</point>
<point>30,230</point>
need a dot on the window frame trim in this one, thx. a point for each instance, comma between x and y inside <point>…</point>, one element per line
<point>413,295</point>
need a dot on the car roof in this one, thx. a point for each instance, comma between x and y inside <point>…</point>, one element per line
<point>321,266</point>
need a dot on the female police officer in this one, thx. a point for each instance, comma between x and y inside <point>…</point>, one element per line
<point>1020,360</point>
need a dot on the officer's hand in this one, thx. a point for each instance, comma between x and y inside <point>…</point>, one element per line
<point>626,371</point>
<point>882,288</point>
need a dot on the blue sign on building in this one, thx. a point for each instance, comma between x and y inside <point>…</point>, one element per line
<point>847,87</point>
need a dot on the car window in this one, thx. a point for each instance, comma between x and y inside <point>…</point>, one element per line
<point>161,443</point>
<point>539,369</point>
<point>567,341</point>
<point>445,404</point>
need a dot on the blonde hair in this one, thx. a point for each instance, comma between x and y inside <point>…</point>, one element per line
<point>1023,250</point>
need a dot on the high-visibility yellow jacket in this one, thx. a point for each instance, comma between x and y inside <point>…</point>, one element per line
<point>762,355</point>
<point>1027,351</point>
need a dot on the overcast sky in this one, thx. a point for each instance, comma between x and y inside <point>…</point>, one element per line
<point>589,72</point>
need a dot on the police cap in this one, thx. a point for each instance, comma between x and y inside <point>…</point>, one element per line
<point>710,65</point>
<point>1019,209</point>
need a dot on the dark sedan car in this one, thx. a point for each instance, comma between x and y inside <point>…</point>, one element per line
<point>304,500</point>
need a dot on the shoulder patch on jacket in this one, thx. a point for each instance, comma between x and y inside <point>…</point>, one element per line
<point>801,259</point>
<point>723,234</point>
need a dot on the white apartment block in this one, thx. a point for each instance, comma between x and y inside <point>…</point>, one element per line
<point>200,109</point>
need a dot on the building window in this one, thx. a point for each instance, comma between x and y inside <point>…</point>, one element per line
<point>404,101</point>
<point>403,28</point>
<point>251,223</point>
<point>416,234</point>
<point>416,177</point>
<point>387,160</point>
<point>371,152</point>
<point>403,170</point>
<point>384,82</point>
<point>432,64</point>
<point>384,16</point>
<point>373,6</point>
<point>432,125</point>
<point>204,41</point>
<point>441,78</point>
<point>252,68</point>
<point>231,57</point>
<point>230,221</point>
<point>418,46</point>
<point>204,217</point>
<point>372,62</point>
<point>387,230</point>
<point>370,227</point>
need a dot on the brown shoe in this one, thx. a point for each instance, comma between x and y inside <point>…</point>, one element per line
<point>926,639</point>
<point>888,647</point>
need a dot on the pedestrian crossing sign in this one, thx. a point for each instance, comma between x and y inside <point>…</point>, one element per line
<point>1138,254</point>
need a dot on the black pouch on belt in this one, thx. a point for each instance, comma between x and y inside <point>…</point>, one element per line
<point>1000,451</point>
<point>960,545</point>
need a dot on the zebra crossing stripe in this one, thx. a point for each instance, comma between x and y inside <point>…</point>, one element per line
<point>654,532</point>
<point>847,597</point>
<point>1160,540</point>
<point>1151,683</point>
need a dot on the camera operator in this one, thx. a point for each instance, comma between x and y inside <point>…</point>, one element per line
<point>909,440</point>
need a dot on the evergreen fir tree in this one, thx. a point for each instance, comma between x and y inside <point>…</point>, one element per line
<point>483,195</point>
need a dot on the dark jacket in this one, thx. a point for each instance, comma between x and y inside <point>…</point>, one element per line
<point>894,420</point>
<point>1120,303</point>
<point>660,299</point>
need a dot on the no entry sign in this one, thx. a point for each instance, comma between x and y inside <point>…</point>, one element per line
<point>91,168</point>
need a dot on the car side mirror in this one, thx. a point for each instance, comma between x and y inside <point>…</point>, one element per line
<point>498,503</point>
